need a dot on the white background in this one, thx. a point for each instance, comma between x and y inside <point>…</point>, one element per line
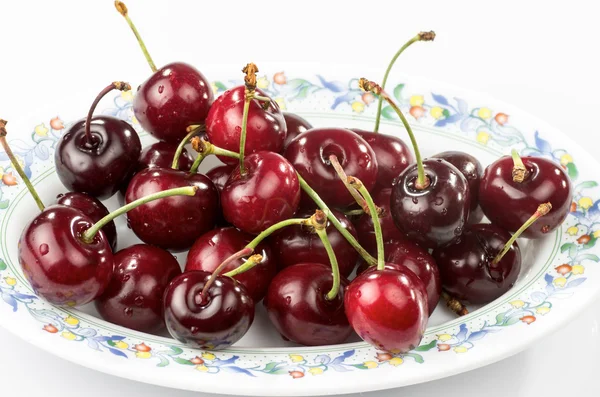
<point>539,55</point>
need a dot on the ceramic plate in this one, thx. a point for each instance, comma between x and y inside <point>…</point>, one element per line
<point>560,273</point>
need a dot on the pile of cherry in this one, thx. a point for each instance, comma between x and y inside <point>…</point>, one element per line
<point>285,220</point>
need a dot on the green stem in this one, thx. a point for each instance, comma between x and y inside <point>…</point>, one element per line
<point>356,183</point>
<point>88,235</point>
<point>249,264</point>
<point>120,6</point>
<point>347,235</point>
<point>18,168</point>
<point>238,255</point>
<point>262,98</point>
<point>184,141</point>
<point>244,129</point>
<point>197,161</point>
<point>542,210</point>
<point>335,288</point>
<point>205,148</point>
<point>354,212</point>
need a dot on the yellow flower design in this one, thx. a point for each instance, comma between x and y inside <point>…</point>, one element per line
<point>560,282</point>
<point>208,356</point>
<point>68,335</point>
<point>577,269</point>
<point>127,95</point>
<point>484,113</point>
<point>572,231</point>
<point>517,303</point>
<point>566,159</point>
<point>396,361</point>
<point>370,364</point>
<point>296,358</point>
<point>316,371</point>
<point>444,337</point>
<point>134,120</point>
<point>143,355</point>
<point>41,130</point>
<point>436,112</point>
<point>10,281</point>
<point>358,107</point>
<point>281,102</point>
<point>585,202</point>
<point>71,320</point>
<point>202,368</point>
<point>417,100</point>
<point>483,137</point>
<point>596,234</point>
<point>461,349</point>
<point>542,310</point>
<point>121,345</point>
<point>262,82</point>
<point>214,87</point>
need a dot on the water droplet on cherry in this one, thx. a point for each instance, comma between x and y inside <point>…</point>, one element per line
<point>44,249</point>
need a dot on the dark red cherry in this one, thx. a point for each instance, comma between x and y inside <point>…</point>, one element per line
<point>472,169</point>
<point>388,309</point>
<point>296,125</point>
<point>213,247</point>
<point>434,216</point>
<point>59,265</point>
<point>403,252</point>
<point>160,154</point>
<point>172,223</point>
<point>467,268</point>
<point>133,298</point>
<point>173,98</point>
<point>364,224</point>
<point>98,166</point>
<point>509,204</point>
<point>298,307</point>
<point>212,322</point>
<point>309,154</point>
<point>93,209</point>
<point>219,175</point>
<point>299,244</point>
<point>392,154</point>
<point>269,192</point>
<point>266,129</point>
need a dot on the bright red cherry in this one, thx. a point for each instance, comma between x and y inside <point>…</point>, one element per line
<point>266,129</point>
<point>160,154</point>
<point>296,125</point>
<point>298,307</point>
<point>172,223</point>
<point>392,154</point>
<point>310,151</point>
<point>269,192</point>
<point>133,298</point>
<point>213,247</point>
<point>210,322</point>
<point>299,244</point>
<point>388,309</point>
<point>508,203</point>
<point>59,265</point>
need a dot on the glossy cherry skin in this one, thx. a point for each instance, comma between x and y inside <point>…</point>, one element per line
<point>219,175</point>
<point>60,267</point>
<point>509,204</point>
<point>472,169</point>
<point>133,298</point>
<point>388,309</point>
<point>215,323</point>
<point>466,266</point>
<point>403,252</point>
<point>160,154</point>
<point>266,129</point>
<point>99,167</point>
<point>434,216</point>
<point>172,223</point>
<point>298,307</point>
<point>173,98</point>
<point>364,224</point>
<point>213,247</point>
<point>309,154</point>
<point>392,154</point>
<point>268,193</point>
<point>296,125</point>
<point>298,244</point>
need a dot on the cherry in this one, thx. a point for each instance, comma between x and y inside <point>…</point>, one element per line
<point>299,309</point>
<point>392,154</point>
<point>175,222</point>
<point>296,125</point>
<point>97,154</point>
<point>160,154</point>
<point>268,192</point>
<point>213,247</point>
<point>299,244</point>
<point>310,154</point>
<point>93,209</point>
<point>133,298</point>
<point>508,201</point>
<point>213,320</point>
<point>219,175</point>
<point>471,168</point>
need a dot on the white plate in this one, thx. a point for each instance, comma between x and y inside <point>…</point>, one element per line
<point>261,363</point>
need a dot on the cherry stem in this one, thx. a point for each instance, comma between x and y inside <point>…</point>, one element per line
<point>238,255</point>
<point>335,287</point>
<point>422,36</point>
<point>184,141</point>
<point>247,100</point>
<point>369,86</point>
<point>205,148</point>
<point>17,166</point>
<point>88,235</point>
<point>344,178</point>
<point>519,172</point>
<point>354,212</point>
<point>542,210</point>
<point>357,184</point>
<point>347,235</point>
<point>115,85</point>
<point>454,304</point>
<point>122,8</point>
